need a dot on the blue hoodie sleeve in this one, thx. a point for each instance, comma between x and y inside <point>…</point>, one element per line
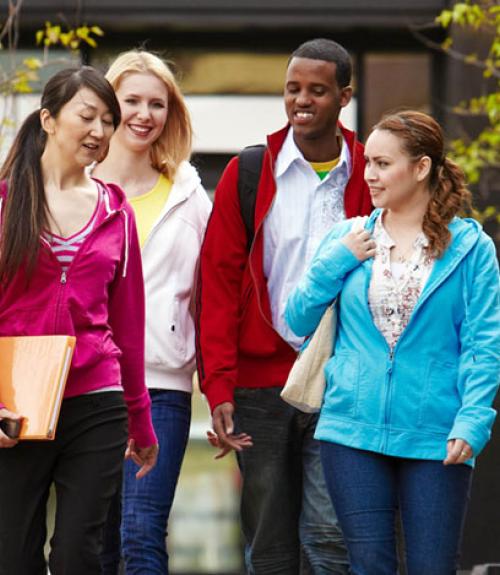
<point>479,365</point>
<point>321,284</point>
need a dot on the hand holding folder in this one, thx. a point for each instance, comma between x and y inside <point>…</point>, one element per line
<point>33,374</point>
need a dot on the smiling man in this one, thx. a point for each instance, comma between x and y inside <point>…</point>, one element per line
<point>311,177</point>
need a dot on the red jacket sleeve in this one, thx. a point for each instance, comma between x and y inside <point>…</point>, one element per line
<point>126,317</point>
<point>222,262</point>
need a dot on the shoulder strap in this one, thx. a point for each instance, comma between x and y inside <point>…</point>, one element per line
<point>249,168</point>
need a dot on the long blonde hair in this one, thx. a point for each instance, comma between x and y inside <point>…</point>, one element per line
<point>174,144</point>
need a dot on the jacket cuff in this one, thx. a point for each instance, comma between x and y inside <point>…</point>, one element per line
<point>477,436</point>
<point>223,393</point>
<point>345,260</point>
<point>141,430</point>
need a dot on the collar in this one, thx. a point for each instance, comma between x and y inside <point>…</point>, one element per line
<point>290,153</point>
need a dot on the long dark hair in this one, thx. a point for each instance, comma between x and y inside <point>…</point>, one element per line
<point>25,213</point>
<point>422,136</point>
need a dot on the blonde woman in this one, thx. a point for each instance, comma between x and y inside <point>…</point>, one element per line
<point>148,158</point>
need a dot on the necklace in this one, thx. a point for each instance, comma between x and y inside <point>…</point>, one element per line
<point>403,256</point>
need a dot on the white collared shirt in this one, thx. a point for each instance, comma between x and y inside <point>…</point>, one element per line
<point>396,286</point>
<point>303,212</point>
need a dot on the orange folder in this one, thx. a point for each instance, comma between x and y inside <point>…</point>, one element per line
<point>33,373</point>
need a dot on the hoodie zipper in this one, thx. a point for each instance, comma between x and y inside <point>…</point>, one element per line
<point>392,353</point>
<point>160,221</point>
<point>63,277</point>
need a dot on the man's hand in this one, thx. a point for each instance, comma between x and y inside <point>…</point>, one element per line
<point>222,422</point>
<point>243,440</point>
<point>144,457</point>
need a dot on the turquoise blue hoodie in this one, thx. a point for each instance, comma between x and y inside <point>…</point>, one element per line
<point>440,381</point>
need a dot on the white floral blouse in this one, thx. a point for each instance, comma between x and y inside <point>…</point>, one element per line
<point>392,296</point>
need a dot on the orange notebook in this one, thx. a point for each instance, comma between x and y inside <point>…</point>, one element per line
<point>33,373</point>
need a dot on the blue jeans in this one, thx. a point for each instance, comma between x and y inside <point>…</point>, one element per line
<point>146,502</point>
<point>286,515</point>
<point>367,489</point>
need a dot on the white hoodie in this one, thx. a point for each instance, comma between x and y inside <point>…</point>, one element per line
<point>169,260</point>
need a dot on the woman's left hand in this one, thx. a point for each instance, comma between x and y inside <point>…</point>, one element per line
<point>459,451</point>
<point>144,457</point>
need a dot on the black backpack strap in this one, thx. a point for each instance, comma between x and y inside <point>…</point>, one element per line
<point>249,168</point>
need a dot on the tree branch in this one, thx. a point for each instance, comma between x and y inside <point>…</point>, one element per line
<point>415,30</point>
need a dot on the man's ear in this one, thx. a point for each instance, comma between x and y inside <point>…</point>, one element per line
<point>345,96</point>
<point>47,121</point>
<point>423,168</point>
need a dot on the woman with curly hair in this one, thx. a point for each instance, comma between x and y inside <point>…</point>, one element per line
<point>415,369</point>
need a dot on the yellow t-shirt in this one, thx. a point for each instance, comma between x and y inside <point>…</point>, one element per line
<point>148,207</point>
<point>324,168</point>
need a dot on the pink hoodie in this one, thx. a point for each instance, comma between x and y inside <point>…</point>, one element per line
<point>100,300</point>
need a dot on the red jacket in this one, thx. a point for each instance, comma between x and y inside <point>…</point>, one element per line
<point>237,344</point>
<point>100,300</point>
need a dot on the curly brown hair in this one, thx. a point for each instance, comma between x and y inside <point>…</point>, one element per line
<point>422,136</point>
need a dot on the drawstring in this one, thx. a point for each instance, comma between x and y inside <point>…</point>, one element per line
<point>125,263</point>
<point>105,195</point>
<point>125,227</point>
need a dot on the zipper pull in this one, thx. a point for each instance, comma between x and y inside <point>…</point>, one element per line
<point>63,277</point>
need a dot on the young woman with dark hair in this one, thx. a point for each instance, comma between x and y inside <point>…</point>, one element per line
<point>70,264</point>
<point>410,386</point>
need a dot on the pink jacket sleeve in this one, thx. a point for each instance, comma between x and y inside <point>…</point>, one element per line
<point>126,316</point>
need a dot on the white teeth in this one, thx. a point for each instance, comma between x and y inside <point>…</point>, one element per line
<point>303,115</point>
<point>142,130</point>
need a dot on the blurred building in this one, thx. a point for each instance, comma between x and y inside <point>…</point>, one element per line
<point>231,57</point>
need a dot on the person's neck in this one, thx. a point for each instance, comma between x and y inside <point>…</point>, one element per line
<point>58,175</point>
<point>323,149</point>
<point>406,220</point>
<point>116,167</point>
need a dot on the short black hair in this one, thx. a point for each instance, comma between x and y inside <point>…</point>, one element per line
<point>329,51</point>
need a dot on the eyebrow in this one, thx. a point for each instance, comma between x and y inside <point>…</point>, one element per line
<point>94,108</point>
<point>377,157</point>
<point>87,105</point>
<point>134,95</point>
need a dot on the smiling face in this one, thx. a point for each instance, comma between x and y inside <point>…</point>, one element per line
<point>313,101</point>
<point>396,181</point>
<point>143,101</point>
<point>81,131</point>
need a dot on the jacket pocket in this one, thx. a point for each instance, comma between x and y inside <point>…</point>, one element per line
<point>176,328</point>
<point>342,375</point>
<point>169,331</point>
<point>440,400</point>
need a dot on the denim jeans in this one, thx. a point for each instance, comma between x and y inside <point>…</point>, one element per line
<point>146,502</point>
<point>367,489</point>
<point>285,508</point>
